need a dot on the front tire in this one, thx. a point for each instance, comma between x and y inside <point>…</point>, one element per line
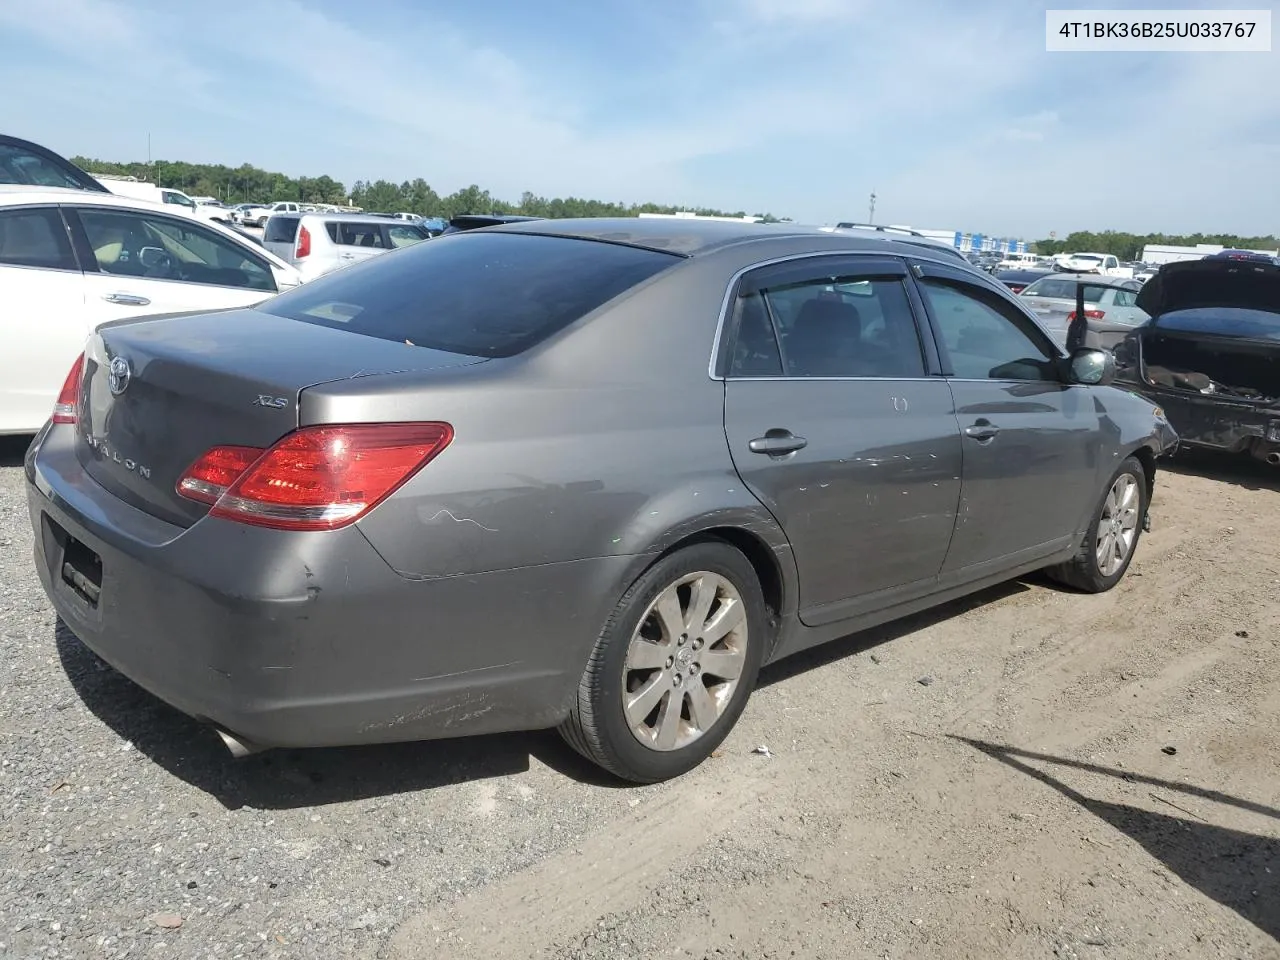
<point>1112,538</point>
<point>674,666</point>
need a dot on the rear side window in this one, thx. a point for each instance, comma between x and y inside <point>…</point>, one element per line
<point>851,327</point>
<point>349,234</point>
<point>35,238</point>
<point>280,230</point>
<point>481,294</point>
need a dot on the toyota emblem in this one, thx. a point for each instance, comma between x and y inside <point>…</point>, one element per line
<point>118,375</point>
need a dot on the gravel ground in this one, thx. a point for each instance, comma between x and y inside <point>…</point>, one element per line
<point>1082,777</point>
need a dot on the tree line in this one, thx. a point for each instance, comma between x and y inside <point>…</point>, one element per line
<point>249,184</point>
<point>1128,246</point>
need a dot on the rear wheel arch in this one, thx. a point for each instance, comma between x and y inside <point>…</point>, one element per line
<point>777,583</point>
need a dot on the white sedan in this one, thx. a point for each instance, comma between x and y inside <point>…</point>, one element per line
<point>71,260</point>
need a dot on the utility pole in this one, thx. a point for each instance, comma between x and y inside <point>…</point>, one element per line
<point>871,211</point>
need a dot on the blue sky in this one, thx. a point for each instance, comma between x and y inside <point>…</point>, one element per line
<point>951,111</point>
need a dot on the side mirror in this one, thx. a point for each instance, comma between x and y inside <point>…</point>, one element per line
<point>1092,367</point>
<point>154,258</point>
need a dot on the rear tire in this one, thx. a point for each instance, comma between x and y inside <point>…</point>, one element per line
<point>674,666</point>
<point>1112,538</point>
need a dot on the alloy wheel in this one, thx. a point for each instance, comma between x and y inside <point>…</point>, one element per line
<point>1118,525</point>
<point>684,661</point>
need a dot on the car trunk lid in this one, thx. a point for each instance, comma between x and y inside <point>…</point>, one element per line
<point>185,383</point>
<point>1221,284</point>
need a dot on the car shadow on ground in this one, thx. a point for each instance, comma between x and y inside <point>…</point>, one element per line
<point>1239,870</point>
<point>13,450</point>
<point>1239,469</point>
<point>287,779</point>
<point>866,640</point>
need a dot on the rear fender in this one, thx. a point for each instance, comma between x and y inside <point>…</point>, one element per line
<point>666,522</point>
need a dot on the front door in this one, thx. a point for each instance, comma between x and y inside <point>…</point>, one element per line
<point>153,263</point>
<point>835,424</point>
<point>1031,441</point>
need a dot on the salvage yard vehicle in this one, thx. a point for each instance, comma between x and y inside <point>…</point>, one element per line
<point>30,164</point>
<point>319,243</point>
<point>579,473</point>
<point>1210,354</point>
<point>1110,306</point>
<point>72,259</point>
<point>1101,263</point>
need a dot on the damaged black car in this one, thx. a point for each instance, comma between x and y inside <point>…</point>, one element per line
<point>1210,354</point>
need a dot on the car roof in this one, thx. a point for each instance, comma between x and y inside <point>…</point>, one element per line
<point>15,193</point>
<point>1093,279</point>
<point>348,217</point>
<point>688,237</point>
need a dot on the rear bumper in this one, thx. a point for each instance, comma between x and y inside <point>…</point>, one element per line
<point>287,639</point>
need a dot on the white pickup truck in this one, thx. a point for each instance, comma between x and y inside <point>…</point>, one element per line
<point>141,190</point>
<point>1101,263</point>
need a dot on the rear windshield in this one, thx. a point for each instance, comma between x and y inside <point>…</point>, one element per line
<point>481,294</point>
<point>280,230</point>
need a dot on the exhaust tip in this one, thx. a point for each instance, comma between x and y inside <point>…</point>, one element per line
<point>1273,458</point>
<point>238,748</point>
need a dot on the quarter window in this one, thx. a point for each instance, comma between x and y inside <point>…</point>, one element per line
<point>35,238</point>
<point>986,338</point>
<point>128,244</point>
<point>833,327</point>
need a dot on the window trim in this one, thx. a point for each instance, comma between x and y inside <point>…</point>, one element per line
<point>857,261</point>
<point>53,208</point>
<point>936,272</point>
<point>84,249</point>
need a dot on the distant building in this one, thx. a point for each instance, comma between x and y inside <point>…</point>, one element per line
<point>1167,253</point>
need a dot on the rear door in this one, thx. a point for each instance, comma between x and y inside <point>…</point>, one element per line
<point>356,241</point>
<point>1033,445</point>
<point>43,321</point>
<point>836,424</point>
<point>151,263</point>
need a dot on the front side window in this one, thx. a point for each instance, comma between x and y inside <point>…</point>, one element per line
<point>35,238</point>
<point>130,244</point>
<point>844,327</point>
<point>986,338</point>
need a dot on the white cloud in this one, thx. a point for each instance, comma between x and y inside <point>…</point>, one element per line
<point>954,114</point>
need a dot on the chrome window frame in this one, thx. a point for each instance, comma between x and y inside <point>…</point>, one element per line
<point>726,304</point>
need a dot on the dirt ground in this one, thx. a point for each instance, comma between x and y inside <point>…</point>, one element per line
<point>1027,773</point>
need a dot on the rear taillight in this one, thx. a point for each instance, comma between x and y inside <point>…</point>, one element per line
<point>304,243</point>
<point>209,477</point>
<point>1089,315</point>
<point>318,478</point>
<point>67,406</point>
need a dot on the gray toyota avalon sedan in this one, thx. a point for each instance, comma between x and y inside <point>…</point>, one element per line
<point>589,474</point>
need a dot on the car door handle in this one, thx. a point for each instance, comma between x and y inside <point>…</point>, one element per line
<point>982,431</point>
<point>777,443</point>
<point>128,299</point>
